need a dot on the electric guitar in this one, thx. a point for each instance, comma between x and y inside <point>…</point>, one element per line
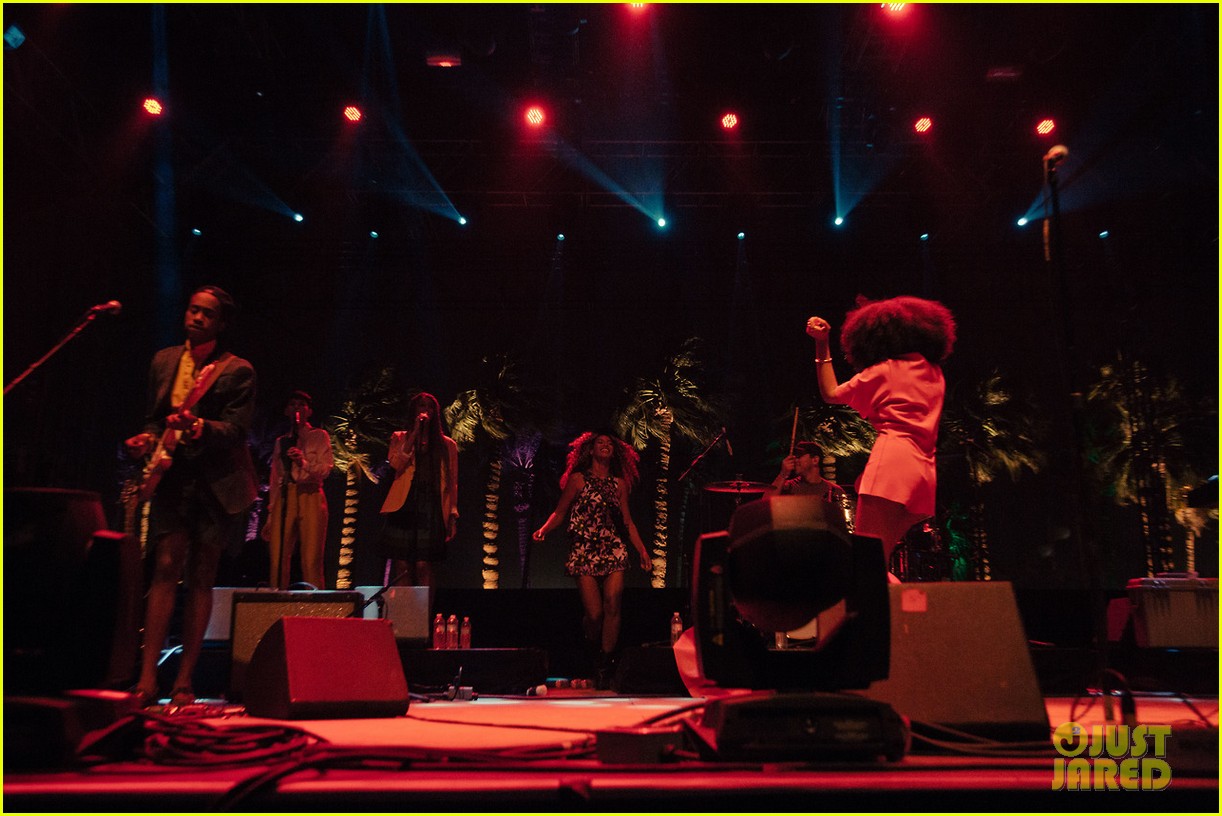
<point>141,487</point>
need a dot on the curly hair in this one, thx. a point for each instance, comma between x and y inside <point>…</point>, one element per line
<point>884,329</point>
<point>581,454</point>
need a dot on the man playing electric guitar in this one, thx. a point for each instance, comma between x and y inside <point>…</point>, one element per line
<point>203,490</point>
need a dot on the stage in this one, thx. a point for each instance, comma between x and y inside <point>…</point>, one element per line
<point>543,754</point>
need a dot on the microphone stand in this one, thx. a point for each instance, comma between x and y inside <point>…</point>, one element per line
<point>1088,551</point>
<point>89,317</point>
<point>703,453</point>
<point>685,567</point>
<point>286,465</point>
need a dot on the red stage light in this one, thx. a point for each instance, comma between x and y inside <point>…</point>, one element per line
<point>894,8</point>
<point>152,107</point>
<point>535,116</point>
<point>729,121</point>
<point>352,113</point>
<point>1045,127</point>
<point>923,125</point>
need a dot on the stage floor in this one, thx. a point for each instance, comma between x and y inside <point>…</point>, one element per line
<point>536,754</point>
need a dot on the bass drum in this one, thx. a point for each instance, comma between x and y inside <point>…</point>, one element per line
<point>921,556</point>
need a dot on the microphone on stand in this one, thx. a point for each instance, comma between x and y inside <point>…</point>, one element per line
<point>726,439</point>
<point>109,307</point>
<point>1055,155</point>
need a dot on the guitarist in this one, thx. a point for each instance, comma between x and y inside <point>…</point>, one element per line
<point>199,505</point>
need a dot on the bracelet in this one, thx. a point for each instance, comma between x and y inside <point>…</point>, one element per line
<point>823,360</point>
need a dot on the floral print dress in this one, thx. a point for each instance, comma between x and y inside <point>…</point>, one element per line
<point>597,547</point>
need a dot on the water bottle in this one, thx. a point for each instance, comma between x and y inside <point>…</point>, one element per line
<point>676,628</point>
<point>452,632</point>
<point>439,632</point>
<point>464,634</point>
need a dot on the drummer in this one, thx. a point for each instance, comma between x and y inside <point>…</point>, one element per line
<point>807,480</point>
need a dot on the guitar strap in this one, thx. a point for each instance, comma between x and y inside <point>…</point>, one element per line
<point>210,376</point>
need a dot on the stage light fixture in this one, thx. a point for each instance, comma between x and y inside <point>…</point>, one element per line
<point>152,107</point>
<point>742,235</point>
<point>1104,234</point>
<point>729,121</point>
<point>197,231</point>
<point>535,116</point>
<point>353,114</point>
<point>893,8</point>
<point>462,220</point>
<point>923,125</point>
<point>661,222</point>
<point>839,221</point>
<point>443,59</point>
<point>924,236</point>
<point>298,217</point>
<point>560,237</point>
<point>13,37</point>
<point>1045,127</point>
<point>373,234</point>
<point>1022,222</point>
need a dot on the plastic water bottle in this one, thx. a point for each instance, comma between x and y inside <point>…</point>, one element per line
<point>439,632</point>
<point>464,634</point>
<point>452,632</point>
<point>676,628</point>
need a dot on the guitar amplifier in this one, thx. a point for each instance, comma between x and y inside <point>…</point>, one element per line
<point>255,611</point>
<point>1175,611</point>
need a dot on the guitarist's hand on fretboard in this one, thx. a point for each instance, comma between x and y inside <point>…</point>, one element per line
<point>185,422</point>
<point>140,445</point>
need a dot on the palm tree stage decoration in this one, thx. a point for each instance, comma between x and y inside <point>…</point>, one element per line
<point>660,407</point>
<point>369,414</point>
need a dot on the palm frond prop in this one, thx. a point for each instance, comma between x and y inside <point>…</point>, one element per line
<point>1137,451</point>
<point>837,429</point>
<point>997,434</point>
<point>489,416</point>
<point>369,414</point>
<point>660,407</point>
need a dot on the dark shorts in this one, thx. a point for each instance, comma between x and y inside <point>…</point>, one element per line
<point>188,506</point>
<point>413,543</point>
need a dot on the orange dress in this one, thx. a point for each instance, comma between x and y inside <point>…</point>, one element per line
<point>902,399</point>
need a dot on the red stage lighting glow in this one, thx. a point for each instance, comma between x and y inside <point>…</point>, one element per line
<point>352,113</point>
<point>1045,127</point>
<point>729,121</point>
<point>535,116</point>
<point>894,8</point>
<point>152,107</point>
<point>923,125</point>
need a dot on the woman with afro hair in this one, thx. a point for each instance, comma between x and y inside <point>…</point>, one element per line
<point>594,496</point>
<point>897,346</point>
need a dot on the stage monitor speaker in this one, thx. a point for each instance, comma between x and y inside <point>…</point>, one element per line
<point>326,668</point>
<point>84,631</point>
<point>255,611</point>
<point>959,658</point>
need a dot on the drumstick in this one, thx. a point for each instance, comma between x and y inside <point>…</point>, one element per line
<point>793,435</point>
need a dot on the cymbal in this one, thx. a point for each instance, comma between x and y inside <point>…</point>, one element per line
<point>739,486</point>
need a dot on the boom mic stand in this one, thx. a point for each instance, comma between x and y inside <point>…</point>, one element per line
<point>1088,549</point>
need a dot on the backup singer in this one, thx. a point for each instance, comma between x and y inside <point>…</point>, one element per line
<point>421,508</point>
<point>296,503</point>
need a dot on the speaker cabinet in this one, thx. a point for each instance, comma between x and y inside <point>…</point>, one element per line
<point>254,613</point>
<point>407,609</point>
<point>959,658</point>
<point>326,668</point>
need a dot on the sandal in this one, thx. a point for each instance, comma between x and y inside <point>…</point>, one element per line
<point>182,696</point>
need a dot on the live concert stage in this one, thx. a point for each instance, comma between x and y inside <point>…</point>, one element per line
<point>542,754</point>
